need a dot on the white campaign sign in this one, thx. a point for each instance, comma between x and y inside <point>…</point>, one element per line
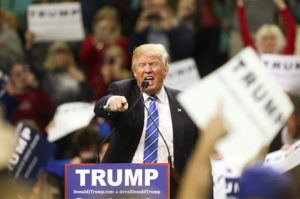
<point>286,70</point>
<point>56,21</point>
<point>225,180</point>
<point>182,74</point>
<point>284,160</point>
<point>70,117</point>
<point>254,108</point>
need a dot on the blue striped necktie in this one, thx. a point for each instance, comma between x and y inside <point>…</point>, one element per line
<point>151,137</point>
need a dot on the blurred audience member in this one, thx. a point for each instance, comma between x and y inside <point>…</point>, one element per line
<point>34,104</point>
<point>10,20</point>
<point>10,188</point>
<point>291,132</point>
<point>208,20</point>
<point>106,32</point>
<point>132,16</point>
<point>89,10</point>
<point>256,181</point>
<point>35,52</point>
<point>63,81</point>
<point>295,8</point>
<point>113,69</point>
<point>104,127</point>
<point>269,38</point>
<point>83,143</point>
<point>47,187</point>
<point>295,174</point>
<point>8,143</point>
<point>11,49</point>
<point>103,149</point>
<point>86,141</point>
<point>255,20</point>
<point>157,24</point>
<point>127,10</point>
<point>185,13</point>
<point>7,103</point>
<point>197,180</point>
<point>265,183</point>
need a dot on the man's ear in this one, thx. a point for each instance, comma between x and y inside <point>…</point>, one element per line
<point>166,72</point>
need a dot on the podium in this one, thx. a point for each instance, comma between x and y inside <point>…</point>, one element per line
<point>105,181</point>
<point>175,182</point>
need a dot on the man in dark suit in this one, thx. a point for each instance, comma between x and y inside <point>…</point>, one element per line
<point>136,139</point>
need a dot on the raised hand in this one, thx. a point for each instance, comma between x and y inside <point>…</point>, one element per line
<point>240,2</point>
<point>280,4</point>
<point>118,104</point>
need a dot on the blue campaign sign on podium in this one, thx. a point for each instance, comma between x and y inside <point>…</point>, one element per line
<point>149,181</point>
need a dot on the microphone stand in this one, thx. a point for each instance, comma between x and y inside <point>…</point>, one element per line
<point>175,179</point>
<point>169,154</point>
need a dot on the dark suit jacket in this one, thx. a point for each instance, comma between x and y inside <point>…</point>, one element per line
<point>129,126</point>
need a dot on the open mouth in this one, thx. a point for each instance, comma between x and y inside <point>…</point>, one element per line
<point>149,79</point>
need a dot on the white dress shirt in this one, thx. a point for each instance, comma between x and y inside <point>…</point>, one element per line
<point>165,126</point>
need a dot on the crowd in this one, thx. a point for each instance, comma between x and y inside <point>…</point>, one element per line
<point>37,77</point>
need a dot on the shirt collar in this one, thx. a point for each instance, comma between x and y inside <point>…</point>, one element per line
<point>161,95</point>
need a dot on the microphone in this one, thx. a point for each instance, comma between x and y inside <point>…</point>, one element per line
<point>169,154</point>
<point>144,85</point>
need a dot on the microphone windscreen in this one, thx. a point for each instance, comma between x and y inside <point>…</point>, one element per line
<point>145,84</point>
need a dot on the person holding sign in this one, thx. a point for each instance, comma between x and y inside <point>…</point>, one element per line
<point>137,138</point>
<point>157,24</point>
<point>291,132</point>
<point>10,43</point>
<point>269,38</point>
<point>63,81</point>
<point>199,164</point>
<point>106,32</point>
<point>112,69</point>
<point>33,102</point>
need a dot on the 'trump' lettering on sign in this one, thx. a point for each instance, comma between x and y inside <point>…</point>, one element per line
<point>128,177</point>
<point>117,181</point>
<point>30,156</point>
<point>56,21</point>
<point>182,74</point>
<point>286,71</point>
<point>255,108</point>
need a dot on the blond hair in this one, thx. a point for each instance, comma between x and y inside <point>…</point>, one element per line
<point>151,50</point>
<point>9,19</point>
<point>270,29</point>
<point>108,12</point>
<point>55,47</point>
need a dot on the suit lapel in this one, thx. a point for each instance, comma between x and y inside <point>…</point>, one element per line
<point>178,125</point>
<point>136,116</point>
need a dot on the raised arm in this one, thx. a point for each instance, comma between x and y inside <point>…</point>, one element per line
<point>280,4</point>
<point>197,177</point>
<point>245,33</point>
<point>290,27</point>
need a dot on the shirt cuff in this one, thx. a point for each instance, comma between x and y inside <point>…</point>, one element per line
<point>106,106</point>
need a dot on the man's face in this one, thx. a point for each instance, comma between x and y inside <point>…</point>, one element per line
<point>152,70</point>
